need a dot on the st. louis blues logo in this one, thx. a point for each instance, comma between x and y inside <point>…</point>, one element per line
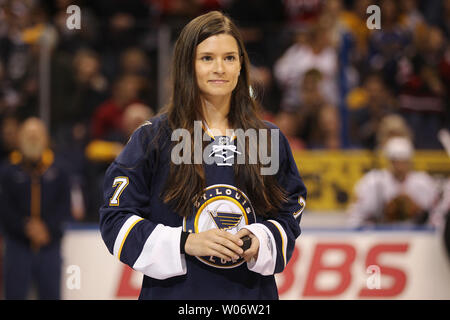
<point>225,220</point>
<point>222,207</point>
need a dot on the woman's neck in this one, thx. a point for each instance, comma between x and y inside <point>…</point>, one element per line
<point>216,114</point>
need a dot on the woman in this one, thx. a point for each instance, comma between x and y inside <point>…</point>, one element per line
<point>181,222</point>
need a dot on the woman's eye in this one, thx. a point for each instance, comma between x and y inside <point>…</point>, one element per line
<point>230,58</point>
<point>206,58</point>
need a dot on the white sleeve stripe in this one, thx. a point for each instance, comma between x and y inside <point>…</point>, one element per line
<point>283,239</point>
<point>160,257</point>
<point>267,253</point>
<point>123,233</point>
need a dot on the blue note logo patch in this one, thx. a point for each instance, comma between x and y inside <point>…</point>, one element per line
<point>221,207</point>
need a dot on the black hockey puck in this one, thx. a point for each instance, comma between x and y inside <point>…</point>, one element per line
<point>247,242</point>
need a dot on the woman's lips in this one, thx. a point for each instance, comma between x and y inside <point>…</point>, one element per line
<point>218,81</point>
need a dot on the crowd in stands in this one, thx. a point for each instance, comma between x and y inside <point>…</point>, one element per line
<point>318,72</point>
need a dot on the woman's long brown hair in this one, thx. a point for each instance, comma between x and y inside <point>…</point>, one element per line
<point>186,182</point>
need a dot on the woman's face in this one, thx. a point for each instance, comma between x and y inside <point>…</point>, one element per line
<point>217,66</point>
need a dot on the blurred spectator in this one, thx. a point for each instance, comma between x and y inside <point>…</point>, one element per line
<point>261,27</point>
<point>355,20</point>
<point>263,88</point>
<point>78,88</point>
<point>392,125</point>
<point>259,23</point>
<point>288,124</point>
<point>107,118</point>
<point>318,122</point>
<point>311,51</point>
<point>310,90</point>
<point>327,133</point>
<point>9,97</point>
<point>26,22</point>
<point>397,194</point>
<point>388,44</point>
<point>123,24</point>
<point>367,106</point>
<point>71,40</point>
<point>306,113</point>
<point>410,16</point>
<point>9,128</point>
<point>133,117</point>
<point>301,13</point>
<point>422,90</point>
<point>35,196</point>
<point>316,125</point>
<point>334,18</point>
<point>173,10</point>
<point>135,60</point>
<point>443,21</point>
<point>106,151</point>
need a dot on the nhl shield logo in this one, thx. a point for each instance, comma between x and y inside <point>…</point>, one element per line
<point>222,207</point>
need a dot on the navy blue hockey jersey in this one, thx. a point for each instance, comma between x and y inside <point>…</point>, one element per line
<point>144,232</point>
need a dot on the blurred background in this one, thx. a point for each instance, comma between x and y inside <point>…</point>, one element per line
<point>366,112</point>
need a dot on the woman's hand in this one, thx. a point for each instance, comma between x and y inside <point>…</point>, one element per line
<point>252,252</point>
<point>214,242</point>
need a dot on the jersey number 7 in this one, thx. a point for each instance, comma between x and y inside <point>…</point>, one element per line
<point>120,183</point>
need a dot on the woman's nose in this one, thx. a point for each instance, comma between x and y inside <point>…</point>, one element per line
<point>218,66</point>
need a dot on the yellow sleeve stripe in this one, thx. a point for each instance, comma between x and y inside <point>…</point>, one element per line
<point>302,203</point>
<point>123,234</point>
<point>283,239</point>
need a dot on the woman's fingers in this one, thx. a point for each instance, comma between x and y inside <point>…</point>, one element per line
<point>222,244</point>
<point>227,244</point>
<point>214,242</point>
<point>225,253</point>
<point>252,252</point>
<point>243,232</point>
<point>231,242</point>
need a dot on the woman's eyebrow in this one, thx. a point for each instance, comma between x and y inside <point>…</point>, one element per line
<point>211,53</point>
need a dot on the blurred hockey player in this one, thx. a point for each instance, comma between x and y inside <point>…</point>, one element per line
<point>396,194</point>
